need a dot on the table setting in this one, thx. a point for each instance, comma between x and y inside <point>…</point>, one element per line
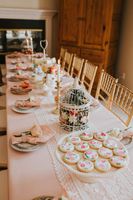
<point>21,88</point>
<point>66,137</point>
<point>18,76</point>
<point>31,139</point>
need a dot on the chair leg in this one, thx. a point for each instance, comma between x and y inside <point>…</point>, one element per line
<point>2,132</point>
<point>3,168</point>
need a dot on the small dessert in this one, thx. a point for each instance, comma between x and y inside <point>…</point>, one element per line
<point>102,165</point>
<point>86,136</point>
<point>36,131</point>
<point>85,166</point>
<point>95,144</point>
<point>118,161</point>
<point>110,143</point>
<point>90,155</point>
<point>82,146</point>
<point>71,157</point>
<point>65,147</point>
<point>120,151</point>
<point>25,84</point>
<point>105,152</point>
<point>28,103</point>
<point>19,90</point>
<point>73,139</point>
<point>100,136</point>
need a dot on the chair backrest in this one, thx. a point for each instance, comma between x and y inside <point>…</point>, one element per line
<point>62,54</point>
<point>88,75</point>
<point>77,65</point>
<point>106,88</point>
<point>123,104</point>
<point>67,61</point>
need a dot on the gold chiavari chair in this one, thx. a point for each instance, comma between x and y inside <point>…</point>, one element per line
<point>67,61</point>
<point>88,75</point>
<point>62,54</point>
<point>106,88</point>
<point>122,105</point>
<point>77,65</point>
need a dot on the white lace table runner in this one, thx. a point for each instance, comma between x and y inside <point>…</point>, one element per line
<point>119,187</point>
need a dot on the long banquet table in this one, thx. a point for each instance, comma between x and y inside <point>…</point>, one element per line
<point>39,173</point>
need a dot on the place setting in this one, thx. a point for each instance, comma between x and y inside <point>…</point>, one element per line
<point>125,136</point>
<point>26,106</point>
<point>21,67</point>
<point>31,139</point>
<point>23,88</point>
<point>19,76</point>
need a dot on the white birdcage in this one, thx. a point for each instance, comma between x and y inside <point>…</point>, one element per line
<point>75,108</point>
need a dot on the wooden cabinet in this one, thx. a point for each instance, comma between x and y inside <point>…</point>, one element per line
<point>90,28</point>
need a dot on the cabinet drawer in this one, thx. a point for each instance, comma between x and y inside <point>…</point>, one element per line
<point>95,56</point>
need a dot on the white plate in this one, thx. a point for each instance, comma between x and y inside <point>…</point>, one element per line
<point>93,176</point>
<point>44,198</point>
<point>128,142</point>
<point>23,111</point>
<point>25,147</point>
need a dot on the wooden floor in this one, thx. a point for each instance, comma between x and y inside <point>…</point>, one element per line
<point>4,185</point>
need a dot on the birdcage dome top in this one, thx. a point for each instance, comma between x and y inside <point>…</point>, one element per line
<point>76,96</point>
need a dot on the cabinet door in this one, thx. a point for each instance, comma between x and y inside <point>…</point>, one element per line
<point>69,26</point>
<point>96,23</point>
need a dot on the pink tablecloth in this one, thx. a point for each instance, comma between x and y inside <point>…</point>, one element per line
<point>33,174</point>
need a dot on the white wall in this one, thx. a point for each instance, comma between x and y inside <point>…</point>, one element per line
<point>34,4</point>
<point>125,60</point>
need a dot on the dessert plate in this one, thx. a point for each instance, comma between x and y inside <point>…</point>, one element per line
<point>20,91</point>
<point>44,198</point>
<point>128,142</point>
<point>94,175</point>
<point>23,111</point>
<point>24,146</point>
<point>17,79</point>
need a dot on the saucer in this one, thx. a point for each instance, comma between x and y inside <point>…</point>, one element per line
<point>23,111</point>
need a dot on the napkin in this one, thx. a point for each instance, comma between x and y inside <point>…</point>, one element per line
<point>25,84</point>
<point>51,198</point>
<point>20,90</point>
<point>28,103</point>
<point>121,134</point>
<point>21,76</point>
<point>37,134</point>
<point>128,132</point>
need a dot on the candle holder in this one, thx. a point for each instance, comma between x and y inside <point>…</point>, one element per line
<point>57,109</point>
<point>44,45</point>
